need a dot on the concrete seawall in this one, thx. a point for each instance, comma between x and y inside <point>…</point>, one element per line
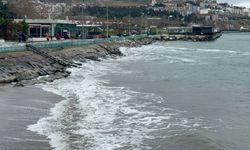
<point>24,67</point>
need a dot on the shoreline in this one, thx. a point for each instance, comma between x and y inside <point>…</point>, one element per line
<point>24,67</point>
<point>190,141</point>
<point>23,103</point>
<point>21,107</point>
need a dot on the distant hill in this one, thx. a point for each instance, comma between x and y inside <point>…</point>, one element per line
<point>119,2</point>
<point>94,2</point>
<point>102,2</point>
<point>41,8</point>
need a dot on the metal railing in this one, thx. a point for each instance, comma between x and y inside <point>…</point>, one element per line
<point>64,43</point>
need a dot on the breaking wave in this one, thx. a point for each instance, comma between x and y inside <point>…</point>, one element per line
<point>97,115</point>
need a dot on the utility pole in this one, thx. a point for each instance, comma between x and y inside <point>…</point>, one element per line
<point>129,26</point>
<point>142,14</point>
<point>107,25</point>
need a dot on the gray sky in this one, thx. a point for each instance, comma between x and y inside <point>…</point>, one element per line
<point>234,1</point>
<point>237,2</point>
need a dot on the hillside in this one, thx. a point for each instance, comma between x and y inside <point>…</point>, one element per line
<point>42,8</point>
<point>91,2</point>
<point>118,2</point>
<point>101,2</point>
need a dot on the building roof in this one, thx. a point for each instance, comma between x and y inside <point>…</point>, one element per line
<point>89,25</point>
<point>46,21</point>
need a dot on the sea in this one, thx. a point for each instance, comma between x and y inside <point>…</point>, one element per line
<point>175,95</point>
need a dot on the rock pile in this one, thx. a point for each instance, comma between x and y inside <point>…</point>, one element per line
<point>25,67</point>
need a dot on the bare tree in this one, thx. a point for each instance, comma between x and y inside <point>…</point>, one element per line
<point>23,8</point>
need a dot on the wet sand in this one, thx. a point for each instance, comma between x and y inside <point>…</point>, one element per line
<point>20,107</point>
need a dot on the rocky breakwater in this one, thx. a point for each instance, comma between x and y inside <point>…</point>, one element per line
<point>27,67</point>
<point>180,37</point>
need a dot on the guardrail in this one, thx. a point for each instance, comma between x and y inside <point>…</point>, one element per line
<point>64,43</point>
<point>13,47</point>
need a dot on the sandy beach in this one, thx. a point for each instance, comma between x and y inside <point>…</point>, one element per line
<point>20,107</point>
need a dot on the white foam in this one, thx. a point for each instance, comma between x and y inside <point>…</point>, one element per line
<point>216,50</point>
<point>15,139</point>
<point>245,53</point>
<point>28,108</point>
<point>155,53</point>
<point>41,77</point>
<point>177,49</point>
<point>96,116</point>
<point>186,49</point>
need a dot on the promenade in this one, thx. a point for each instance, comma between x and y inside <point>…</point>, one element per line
<point>14,46</point>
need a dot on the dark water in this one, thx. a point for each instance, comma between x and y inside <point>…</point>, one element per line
<point>168,95</point>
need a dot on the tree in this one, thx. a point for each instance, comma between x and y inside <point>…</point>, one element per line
<point>3,26</point>
<point>24,8</point>
<point>9,28</point>
<point>25,27</point>
<point>3,21</point>
<point>4,11</point>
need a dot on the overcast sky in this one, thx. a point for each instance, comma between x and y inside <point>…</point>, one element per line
<point>237,2</point>
<point>234,1</point>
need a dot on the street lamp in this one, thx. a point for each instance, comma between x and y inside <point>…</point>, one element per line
<point>142,14</point>
<point>82,17</point>
<point>129,26</point>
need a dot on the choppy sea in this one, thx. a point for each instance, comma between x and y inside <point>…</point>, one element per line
<point>176,95</point>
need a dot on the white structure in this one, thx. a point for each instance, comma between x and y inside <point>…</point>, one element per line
<point>192,8</point>
<point>205,11</point>
<point>235,10</point>
<point>153,2</point>
<point>38,27</point>
<point>4,1</point>
<point>246,11</point>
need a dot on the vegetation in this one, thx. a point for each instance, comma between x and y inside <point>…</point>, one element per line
<point>3,16</point>
<point>121,12</point>
<point>3,10</point>
<point>8,28</point>
<point>191,18</point>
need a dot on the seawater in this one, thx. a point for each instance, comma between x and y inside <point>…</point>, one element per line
<point>167,95</point>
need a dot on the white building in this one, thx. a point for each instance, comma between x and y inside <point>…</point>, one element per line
<point>205,12</point>
<point>4,1</point>
<point>235,10</point>
<point>192,8</point>
<point>153,2</point>
<point>246,11</point>
<point>38,28</point>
